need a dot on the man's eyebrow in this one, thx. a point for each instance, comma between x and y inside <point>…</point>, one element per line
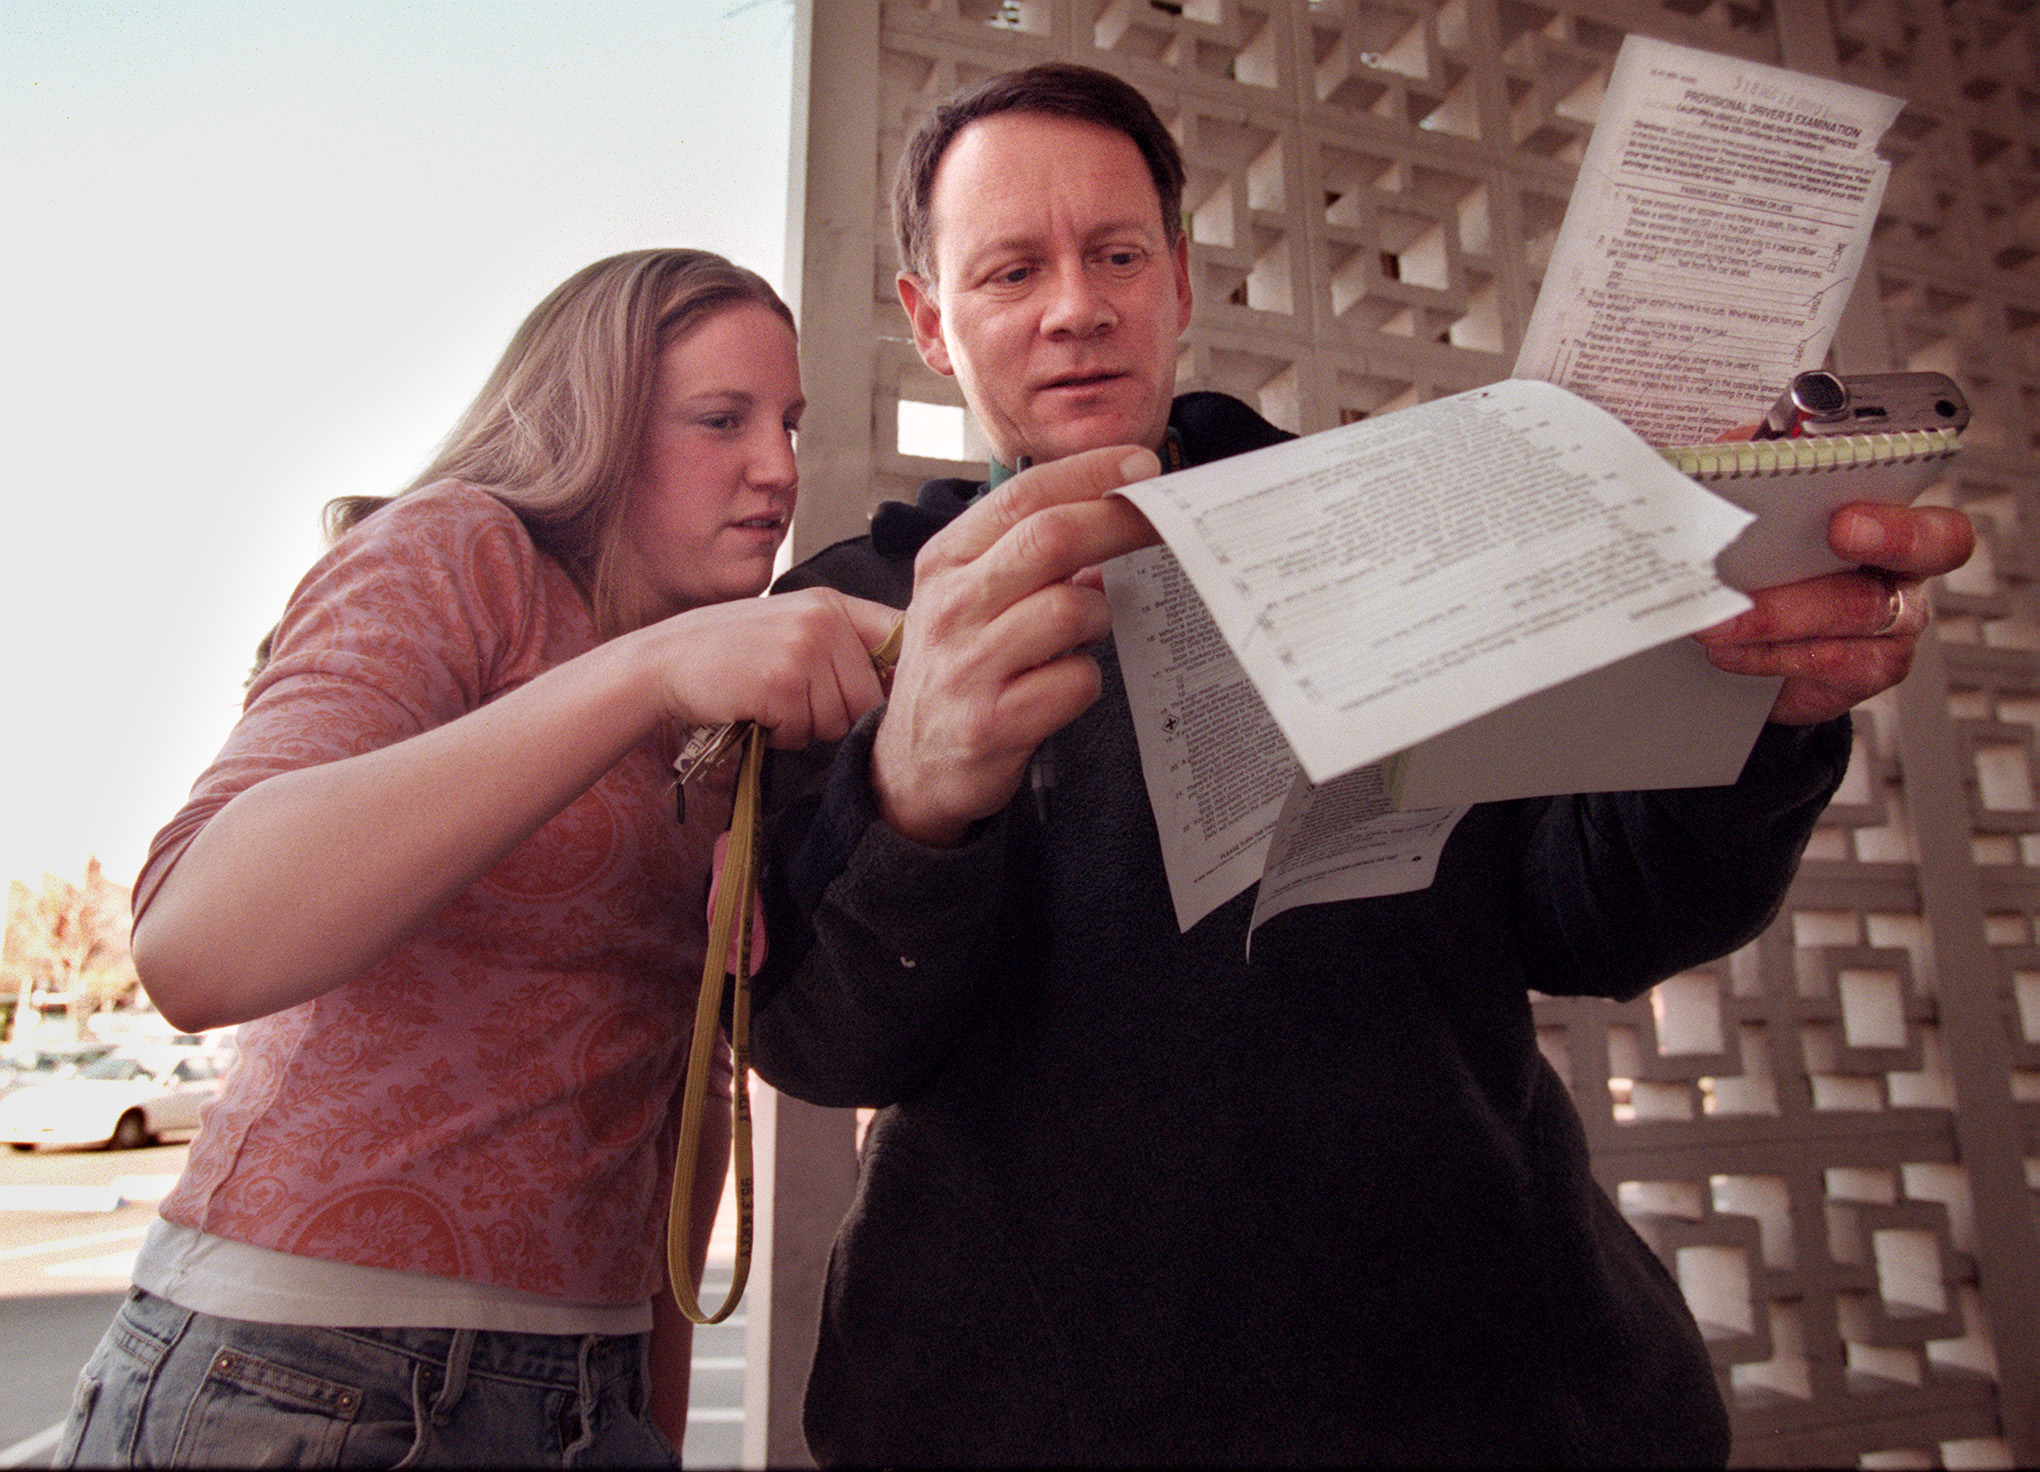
<point>1146,229</point>
<point>1003,245</point>
<point>1022,242</point>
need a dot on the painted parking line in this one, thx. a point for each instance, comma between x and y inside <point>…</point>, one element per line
<point>111,1265</point>
<point>116,1193</point>
<point>143,1189</point>
<point>70,1244</point>
<point>60,1198</point>
<point>30,1447</point>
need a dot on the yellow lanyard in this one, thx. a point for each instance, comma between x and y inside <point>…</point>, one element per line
<point>729,918</point>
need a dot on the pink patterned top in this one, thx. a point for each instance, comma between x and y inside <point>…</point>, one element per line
<point>492,1100</point>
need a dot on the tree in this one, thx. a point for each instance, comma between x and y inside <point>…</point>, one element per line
<point>71,940</point>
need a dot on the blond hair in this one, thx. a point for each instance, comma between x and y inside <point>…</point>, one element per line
<point>554,432</point>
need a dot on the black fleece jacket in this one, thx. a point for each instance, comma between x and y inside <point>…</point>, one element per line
<point>1132,1197</point>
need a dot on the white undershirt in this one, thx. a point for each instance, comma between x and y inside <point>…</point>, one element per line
<point>215,1275</point>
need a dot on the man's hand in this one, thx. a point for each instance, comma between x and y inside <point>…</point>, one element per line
<point>1840,639</point>
<point>993,662</point>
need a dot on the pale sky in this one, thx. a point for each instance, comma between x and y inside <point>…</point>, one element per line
<point>257,255</point>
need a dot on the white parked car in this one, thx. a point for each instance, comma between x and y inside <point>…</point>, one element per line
<point>28,1066</point>
<point>120,1101</point>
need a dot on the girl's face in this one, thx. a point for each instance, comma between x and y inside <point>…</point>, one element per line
<point>716,480</point>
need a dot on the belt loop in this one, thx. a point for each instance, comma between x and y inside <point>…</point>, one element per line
<point>589,1344</point>
<point>456,1375</point>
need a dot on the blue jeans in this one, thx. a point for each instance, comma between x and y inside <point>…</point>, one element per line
<point>169,1387</point>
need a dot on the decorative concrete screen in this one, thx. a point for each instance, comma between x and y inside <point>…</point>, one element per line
<point>1833,1137</point>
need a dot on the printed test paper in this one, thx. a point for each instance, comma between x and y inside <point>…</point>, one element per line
<point>1714,233</point>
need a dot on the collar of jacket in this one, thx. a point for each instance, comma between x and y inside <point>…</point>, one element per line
<point>997,475</point>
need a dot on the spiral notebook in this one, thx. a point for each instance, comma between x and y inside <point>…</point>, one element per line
<point>1795,486</point>
<point>1666,717</point>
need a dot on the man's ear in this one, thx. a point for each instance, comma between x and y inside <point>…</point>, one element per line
<point>925,316</point>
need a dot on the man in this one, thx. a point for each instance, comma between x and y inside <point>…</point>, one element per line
<point>1132,1196</point>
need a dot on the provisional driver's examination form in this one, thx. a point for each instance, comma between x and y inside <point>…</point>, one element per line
<point>1719,218</point>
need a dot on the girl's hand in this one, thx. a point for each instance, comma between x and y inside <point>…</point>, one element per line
<point>798,664</point>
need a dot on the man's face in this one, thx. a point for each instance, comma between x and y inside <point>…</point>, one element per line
<point>1057,300</point>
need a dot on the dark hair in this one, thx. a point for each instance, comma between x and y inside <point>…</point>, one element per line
<point>1057,88</point>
